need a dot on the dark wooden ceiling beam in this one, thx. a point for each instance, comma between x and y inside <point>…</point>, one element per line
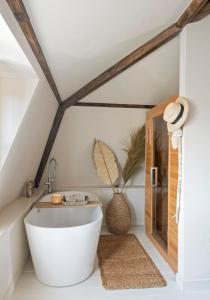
<point>204,12</point>
<point>188,16</point>
<point>51,139</point>
<point>124,64</point>
<point>113,105</point>
<point>23,19</point>
<point>190,13</point>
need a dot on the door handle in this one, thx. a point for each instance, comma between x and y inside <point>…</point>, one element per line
<point>154,176</point>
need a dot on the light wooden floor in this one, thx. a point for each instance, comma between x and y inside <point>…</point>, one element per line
<point>29,288</point>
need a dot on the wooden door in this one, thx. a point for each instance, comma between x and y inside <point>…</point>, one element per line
<point>160,197</point>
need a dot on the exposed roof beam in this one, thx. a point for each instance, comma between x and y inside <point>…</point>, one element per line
<point>113,105</point>
<point>124,64</point>
<point>22,17</point>
<point>53,132</point>
<point>189,14</point>
<point>192,10</point>
<point>205,11</point>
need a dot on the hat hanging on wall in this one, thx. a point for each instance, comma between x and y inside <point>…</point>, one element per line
<point>176,138</point>
<point>176,113</point>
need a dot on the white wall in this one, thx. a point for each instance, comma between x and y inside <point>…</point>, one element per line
<point>22,161</point>
<point>13,242</point>
<point>194,228</point>
<point>14,254</point>
<point>16,93</point>
<point>24,155</point>
<point>73,150</point>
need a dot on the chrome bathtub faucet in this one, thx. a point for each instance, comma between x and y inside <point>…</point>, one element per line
<point>51,176</point>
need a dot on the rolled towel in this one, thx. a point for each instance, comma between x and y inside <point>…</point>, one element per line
<point>76,198</point>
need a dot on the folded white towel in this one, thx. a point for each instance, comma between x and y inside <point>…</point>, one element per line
<point>79,198</point>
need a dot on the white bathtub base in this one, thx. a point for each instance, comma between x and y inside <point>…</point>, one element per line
<point>63,243</point>
<point>69,260</point>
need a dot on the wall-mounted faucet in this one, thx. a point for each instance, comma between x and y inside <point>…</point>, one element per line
<point>51,176</point>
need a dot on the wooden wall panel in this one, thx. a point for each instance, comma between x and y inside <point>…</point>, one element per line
<point>171,254</point>
<point>148,160</point>
<point>173,227</point>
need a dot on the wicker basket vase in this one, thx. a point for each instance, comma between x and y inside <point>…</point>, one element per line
<point>118,215</point>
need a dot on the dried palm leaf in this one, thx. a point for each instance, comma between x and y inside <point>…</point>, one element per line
<point>135,150</point>
<point>105,163</point>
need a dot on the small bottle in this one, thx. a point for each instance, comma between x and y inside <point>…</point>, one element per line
<point>29,188</point>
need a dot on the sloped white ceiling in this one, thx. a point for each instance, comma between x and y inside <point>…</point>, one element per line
<point>149,81</point>
<point>82,38</point>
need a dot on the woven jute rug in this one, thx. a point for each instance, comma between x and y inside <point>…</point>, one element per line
<point>124,264</point>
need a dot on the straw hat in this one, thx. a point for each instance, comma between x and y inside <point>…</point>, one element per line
<point>176,113</point>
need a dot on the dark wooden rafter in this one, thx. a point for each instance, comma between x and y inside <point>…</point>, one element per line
<point>123,64</point>
<point>23,19</point>
<point>190,14</point>
<point>162,38</point>
<point>113,105</point>
<point>204,12</point>
<point>53,133</point>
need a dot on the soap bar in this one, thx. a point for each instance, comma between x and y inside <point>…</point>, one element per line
<point>56,198</point>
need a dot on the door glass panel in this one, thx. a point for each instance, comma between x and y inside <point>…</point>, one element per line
<point>159,178</point>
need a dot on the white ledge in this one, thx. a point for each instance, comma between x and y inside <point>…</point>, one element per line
<point>16,209</point>
<point>96,187</point>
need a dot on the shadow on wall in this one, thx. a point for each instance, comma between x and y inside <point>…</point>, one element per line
<point>25,153</point>
<point>16,93</point>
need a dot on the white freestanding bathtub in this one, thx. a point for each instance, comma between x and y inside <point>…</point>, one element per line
<point>63,242</point>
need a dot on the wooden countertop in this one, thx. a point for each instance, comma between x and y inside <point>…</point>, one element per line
<point>66,204</point>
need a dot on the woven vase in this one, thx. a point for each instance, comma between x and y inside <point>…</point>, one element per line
<point>118,214</point>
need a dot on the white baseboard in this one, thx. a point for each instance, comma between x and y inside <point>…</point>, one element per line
<point>192,285</point>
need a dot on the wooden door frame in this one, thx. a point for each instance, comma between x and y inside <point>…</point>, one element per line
<point>172,249</point>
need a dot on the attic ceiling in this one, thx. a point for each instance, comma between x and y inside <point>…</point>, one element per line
<point>149,81</point>
<point>63,36</point>
<point>82,38</point>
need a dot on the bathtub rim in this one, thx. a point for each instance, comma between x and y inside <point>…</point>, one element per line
<point>93,195</point>
<point>100,218</point>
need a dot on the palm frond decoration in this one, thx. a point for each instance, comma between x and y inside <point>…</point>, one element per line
<point>106,163</point>
<point>135,150</point>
